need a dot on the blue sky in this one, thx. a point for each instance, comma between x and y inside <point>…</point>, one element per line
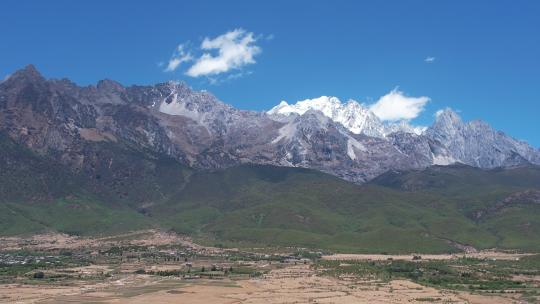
<point>486,53</point>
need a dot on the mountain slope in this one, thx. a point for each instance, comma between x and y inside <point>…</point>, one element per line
<point>109,195</point>
<point>297,207</point>
<point>503,202</point>
<point>409,211</point>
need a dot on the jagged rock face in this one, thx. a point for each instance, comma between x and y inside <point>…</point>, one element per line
<point>61,120</point>
<point>477,144</point>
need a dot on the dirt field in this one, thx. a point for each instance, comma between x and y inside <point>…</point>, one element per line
<point>53,240</point>
<point>495,255</point>
<point>294,284</point>
<point>111,276</point>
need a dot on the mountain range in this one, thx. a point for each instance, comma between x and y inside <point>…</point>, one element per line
<point>321,174</point>
<point>59,119</point>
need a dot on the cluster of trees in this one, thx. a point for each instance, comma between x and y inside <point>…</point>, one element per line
<point>181,272</point>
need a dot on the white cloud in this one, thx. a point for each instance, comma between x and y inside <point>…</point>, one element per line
<point>235,49</point>
<point>180,55</point>
<point>395,106</point>
<point>429,60</point>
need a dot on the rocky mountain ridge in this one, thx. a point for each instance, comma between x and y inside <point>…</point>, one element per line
<point>68,123</point>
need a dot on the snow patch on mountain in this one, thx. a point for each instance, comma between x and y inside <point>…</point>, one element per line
<point>285,132</point>
<point>173,105</point>
<point>443,160</point>
<point>403,126</point>
<point>351,145</point>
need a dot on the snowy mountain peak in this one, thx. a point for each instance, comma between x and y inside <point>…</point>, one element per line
<point>403,126</point>
<point>447,122</point>
<point>327,104</point>
<point>354,116</point>
<point>448,115</point>
<point>282,104</point>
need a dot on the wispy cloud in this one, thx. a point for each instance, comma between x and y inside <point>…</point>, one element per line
<point>396,106</point>
<point>231,51</point>
<point>235,49</point>
<point>429,60</point>
<point>217,80</point>
<point>179,56</point>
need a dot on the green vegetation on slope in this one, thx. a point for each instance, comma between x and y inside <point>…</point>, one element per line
<point>297,207</point>
<point>469,274</point>
<point>37,194</point>
<point>124,189</point>
<point>78,216</point>
<point>484,198</point>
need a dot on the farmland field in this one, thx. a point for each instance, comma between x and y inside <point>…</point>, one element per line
<point>152,265</point>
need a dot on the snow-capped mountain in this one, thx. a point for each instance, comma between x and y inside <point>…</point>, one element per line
<point>354,116</point>
<point>72,124</point>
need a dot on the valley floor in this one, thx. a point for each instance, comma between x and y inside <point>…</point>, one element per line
<point>294,284</point>
<point>145,267</point>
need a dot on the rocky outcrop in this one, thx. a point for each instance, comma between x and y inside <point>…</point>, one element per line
<point>477,144</point>
<point>528,197</point>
